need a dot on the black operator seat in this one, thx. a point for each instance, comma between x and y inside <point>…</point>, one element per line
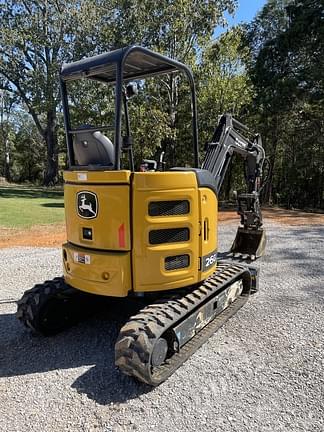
<point>93,149</point>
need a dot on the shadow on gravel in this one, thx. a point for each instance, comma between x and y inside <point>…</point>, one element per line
<point>301,251</point>
<point>89,344</point>
<point>306,258</point>
<point>105,385</point>
<point>316,291</point>
<point>293,256</point>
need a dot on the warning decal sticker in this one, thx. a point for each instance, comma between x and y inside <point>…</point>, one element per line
<point>81,258</point>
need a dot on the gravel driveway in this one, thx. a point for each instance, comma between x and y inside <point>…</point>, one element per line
<point>263,371</point>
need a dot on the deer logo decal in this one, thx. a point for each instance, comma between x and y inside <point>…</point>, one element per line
<point>87,204</point>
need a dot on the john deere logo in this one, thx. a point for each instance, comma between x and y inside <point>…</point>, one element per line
<point>87,205</point>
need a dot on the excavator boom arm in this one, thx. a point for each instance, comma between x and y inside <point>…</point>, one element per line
<point>229,138</point>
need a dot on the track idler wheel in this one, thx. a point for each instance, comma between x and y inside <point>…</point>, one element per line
<point>159,352</point>
<point>53,306</point>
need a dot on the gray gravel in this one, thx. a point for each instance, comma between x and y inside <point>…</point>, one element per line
<point>263,371</point>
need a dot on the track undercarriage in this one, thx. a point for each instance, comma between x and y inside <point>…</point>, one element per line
<point>161,336</point>
<point>54,306</point>
<point>152,227</point>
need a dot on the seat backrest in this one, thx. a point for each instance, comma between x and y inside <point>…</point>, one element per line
<point>93,148</point>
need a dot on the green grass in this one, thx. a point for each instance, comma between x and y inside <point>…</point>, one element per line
<point>23,207</point>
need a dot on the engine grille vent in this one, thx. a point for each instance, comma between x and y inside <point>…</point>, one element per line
<point>171,235</point>
<point>168,208</point>
<point>176,262</point>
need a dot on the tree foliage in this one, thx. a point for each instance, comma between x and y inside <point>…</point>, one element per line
<point>38,36</point>
<point>286,41</point>
<point>223,85</point>
<point>268,73</point>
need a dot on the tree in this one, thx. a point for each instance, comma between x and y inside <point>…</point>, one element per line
<point>36,38</point>
<point>179,30</point>
<point>29,155</point>
<point>7,103</point>
<point>223,82</point>
<point>286,40</point>
<point>224,87</point>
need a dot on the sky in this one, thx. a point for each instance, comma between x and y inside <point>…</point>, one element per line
<point>246,11</point>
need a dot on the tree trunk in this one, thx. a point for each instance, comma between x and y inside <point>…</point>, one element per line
<point>7,163</point>
<point>268,188</point>
<point>272,161</point>
<point>50,136</point>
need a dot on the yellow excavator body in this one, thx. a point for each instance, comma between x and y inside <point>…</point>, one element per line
<point>142,233</point>
<point>150,231</point>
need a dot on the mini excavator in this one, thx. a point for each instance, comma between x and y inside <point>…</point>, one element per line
<point>149,234</point>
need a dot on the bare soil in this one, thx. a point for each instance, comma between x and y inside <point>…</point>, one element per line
<point>279,215</point>
<point>54,235</point>
<point>38,236</point>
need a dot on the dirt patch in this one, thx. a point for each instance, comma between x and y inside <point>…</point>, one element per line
<point>293,217</point>
<point>278,215</point>
<point>41,236</point>
<point>55,235</point>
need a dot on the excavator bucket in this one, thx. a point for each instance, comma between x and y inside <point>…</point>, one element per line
<point>249,242</point>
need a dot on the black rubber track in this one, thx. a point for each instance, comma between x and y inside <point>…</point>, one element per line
<point>137,337</point>
<point>53,306</point>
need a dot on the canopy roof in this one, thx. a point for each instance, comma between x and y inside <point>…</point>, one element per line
<point>136,62</point>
